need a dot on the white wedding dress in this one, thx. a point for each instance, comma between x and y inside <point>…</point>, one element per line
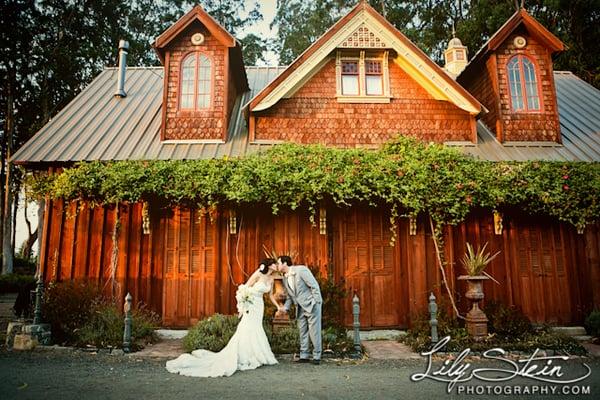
<point>247,349</point>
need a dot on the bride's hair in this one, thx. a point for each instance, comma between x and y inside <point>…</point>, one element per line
<point>264,265</point>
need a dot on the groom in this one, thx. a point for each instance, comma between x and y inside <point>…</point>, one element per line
<point>303,290</point>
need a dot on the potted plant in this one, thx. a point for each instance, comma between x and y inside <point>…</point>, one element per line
<point>475,263</point>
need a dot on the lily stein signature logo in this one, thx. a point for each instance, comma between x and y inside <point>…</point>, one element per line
<point>546,369</point>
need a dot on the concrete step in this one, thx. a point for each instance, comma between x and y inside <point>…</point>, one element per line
<point>570,330</point>
<point>382,334</point>
<point>169,334</point>
<point>583,338</point>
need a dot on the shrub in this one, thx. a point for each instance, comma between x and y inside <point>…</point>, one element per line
<point>284,341</point>
<point>510,330</point>
<point>507,321</point>
<point>80,315</point>
<point>13,283</point>
<point>337,342</point>
<point>106,325</point>
<point>67,307</point>
<point>23,265</point>
<point>592,323</point>
<point>333,294</point>
<point>211,333</point>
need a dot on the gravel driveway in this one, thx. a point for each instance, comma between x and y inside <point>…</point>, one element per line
<point>78,375</point>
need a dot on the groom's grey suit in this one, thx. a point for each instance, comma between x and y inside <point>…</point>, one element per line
<point>303,290</point>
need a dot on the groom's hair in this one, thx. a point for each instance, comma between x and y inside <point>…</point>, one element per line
<point>286,259</point>
<point>264,265</point>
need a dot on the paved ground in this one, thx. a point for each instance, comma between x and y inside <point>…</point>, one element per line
<point>389,350</point>
<point>75,375</point>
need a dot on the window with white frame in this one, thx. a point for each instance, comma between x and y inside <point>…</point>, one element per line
<point>350,78</point>
<point>196,82</point>
<point>523,85</point>
<point>362,77</point>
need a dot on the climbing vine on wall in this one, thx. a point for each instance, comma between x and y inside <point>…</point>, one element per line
<point>409,176</point>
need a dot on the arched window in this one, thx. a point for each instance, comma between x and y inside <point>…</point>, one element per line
<point>195,82</point>
<point>523,84</point>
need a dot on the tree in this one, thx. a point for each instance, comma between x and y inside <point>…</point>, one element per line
<point>54,48</point>
<point>15,69</point>
<point>300,23</point>
<point>429,23</point>
<point>253,49</point>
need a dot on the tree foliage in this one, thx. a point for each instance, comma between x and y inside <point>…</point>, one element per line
<point>54,48</point>
<point>429,23</point>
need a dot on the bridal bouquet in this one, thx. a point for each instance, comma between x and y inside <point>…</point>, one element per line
<point>244,297</point>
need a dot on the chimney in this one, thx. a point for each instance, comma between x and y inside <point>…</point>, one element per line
<point>123,47</point>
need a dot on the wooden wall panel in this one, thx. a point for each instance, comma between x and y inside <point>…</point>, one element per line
<point>544,267</point>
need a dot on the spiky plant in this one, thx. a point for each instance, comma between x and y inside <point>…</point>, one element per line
<point>475,262</point>
<point>275,254</point>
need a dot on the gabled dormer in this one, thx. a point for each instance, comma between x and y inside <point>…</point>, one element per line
<point>203,74</point>
<point>360,85</point>
<point>512,76</point>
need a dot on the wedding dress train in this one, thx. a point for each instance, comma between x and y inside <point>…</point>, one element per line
<point>247,349</point>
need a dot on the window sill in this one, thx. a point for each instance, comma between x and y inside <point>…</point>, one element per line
<point>363,99</point>
<point>194,113</point>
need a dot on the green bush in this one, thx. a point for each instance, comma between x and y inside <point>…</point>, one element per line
<point>333,294</point>
<point>509,330</point>
<point>106,325</point>
<point>12,283</point>
<point>284,341</point>
<point>507,321</point>
<point>79,315</point>
<point>23,265</point>
<point>592,323</point>
<point>211,333</point>
<point>67,307</point>
<point>337,342</point>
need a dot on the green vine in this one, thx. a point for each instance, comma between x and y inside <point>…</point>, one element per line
<point>408,176</point>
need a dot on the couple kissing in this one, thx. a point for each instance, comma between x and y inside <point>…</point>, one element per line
<point>249,347</point>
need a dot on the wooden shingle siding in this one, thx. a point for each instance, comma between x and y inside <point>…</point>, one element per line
<point>313,115</point>
<point>208,123</point>
<point>489,83</point>
<point>529,126</point>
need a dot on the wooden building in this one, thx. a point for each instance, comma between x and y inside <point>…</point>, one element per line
<point>358,85</point>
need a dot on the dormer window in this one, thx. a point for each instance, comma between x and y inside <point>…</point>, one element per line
<point>196,82</point>
<point>362,77</point>
<point>523,84</point>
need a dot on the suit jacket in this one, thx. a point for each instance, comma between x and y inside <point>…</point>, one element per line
<point>306,292</point>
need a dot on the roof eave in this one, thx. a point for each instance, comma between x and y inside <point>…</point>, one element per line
<point>196,14</point>
<point>520,17</point>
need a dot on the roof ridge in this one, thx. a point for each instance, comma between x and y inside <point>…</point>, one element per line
<point>136,67</point>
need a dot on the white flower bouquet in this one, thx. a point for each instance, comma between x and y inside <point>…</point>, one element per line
<point>245,298</point>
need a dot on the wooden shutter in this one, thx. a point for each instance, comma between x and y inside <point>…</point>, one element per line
<point>202,267</point>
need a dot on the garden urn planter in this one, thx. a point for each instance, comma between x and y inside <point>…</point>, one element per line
<point>476,319</point>
<point>281,318</point>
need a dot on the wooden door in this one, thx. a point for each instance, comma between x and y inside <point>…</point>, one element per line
<point>544,286</point>
<point>369,266</point>
<point>189,268</point>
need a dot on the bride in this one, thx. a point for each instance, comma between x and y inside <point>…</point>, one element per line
<point>248,348</point>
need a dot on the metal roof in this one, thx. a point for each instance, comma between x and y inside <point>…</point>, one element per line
<point>95,125</point>
<point>98,126</point>
<point>579,115</point>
